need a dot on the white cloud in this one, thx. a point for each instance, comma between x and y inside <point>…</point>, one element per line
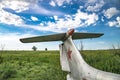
<point>61,2</point>
<point>9,18</point>
<point>87,18</point>
<point>55,17</point>
<point>94,6</point>
<point>34,18</point>
<point>111,12</point>
<point>102,19</point>
<point>118,20</point>
<point>80,19</point>
<point>91,1</point>
<point>115,22</point>
<point>81,7</point>
<point>52,3</point>
<point>91,19</point>
<point>19,6</point>
<point>40,10</point>
<point>41,24</point>
<point>112,23</point>
<point>15,5</point>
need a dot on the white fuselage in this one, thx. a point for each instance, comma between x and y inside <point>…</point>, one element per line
<point>78,69</point>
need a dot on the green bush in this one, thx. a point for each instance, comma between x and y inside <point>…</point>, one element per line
<point>7,71</point>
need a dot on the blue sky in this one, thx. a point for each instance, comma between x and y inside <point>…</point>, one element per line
<point>26,18</point>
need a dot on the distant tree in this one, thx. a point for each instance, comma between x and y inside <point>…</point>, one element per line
<point>2,46</point>
<point>116,50</point>
<point>34,48</point>
<point>81,46</point>
<point>118,45</point>
<point>46,49</point>
<point>113,46</point>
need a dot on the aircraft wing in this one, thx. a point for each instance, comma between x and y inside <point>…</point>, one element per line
<point>60,37</point>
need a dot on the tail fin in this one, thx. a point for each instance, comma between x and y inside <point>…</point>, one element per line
<point>61,37</point>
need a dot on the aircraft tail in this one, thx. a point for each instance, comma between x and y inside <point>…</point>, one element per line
<point>61,37</point>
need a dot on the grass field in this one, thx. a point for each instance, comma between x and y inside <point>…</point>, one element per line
<point>45,65</point>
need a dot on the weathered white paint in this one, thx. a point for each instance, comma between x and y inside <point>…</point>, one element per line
<point>77,68</point>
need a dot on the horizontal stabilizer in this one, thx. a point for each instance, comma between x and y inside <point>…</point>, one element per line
<point>60,37</point>
<point>86,35</point>
<point>54,37</point>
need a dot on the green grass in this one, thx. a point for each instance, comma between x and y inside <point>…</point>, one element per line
<point>45,65</point>
<point>106,60</point>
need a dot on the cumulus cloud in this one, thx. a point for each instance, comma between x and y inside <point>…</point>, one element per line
<point>111,12</point>
<point>52,3</point>
<point>80,19</point>
<point>34,18</point>
<point>16,5</point>
<point>41,10</point>
<point>85,19</point>
<point>9,18</point>
<point>19,6</point>
<point>94,6</point>
<point>61,2</point>
<point>91,1</point>
<point>115,22</point>
<point>55,17</point>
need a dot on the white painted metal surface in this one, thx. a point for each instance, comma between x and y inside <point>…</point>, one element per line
<point>79,69</point>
